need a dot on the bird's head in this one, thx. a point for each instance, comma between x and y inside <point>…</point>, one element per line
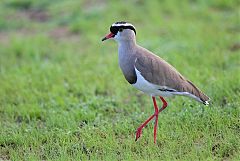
<point>121,31</point>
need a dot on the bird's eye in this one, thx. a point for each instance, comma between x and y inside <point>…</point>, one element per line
<point>120,30</point>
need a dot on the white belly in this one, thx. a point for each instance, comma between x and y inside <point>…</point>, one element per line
<point>149,88</point>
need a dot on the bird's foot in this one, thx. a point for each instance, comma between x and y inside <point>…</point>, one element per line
<point>138,133</point>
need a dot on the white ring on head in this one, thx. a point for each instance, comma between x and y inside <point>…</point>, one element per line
<point>123,24</point>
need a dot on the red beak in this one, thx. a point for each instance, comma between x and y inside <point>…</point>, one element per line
<point>108,36</point>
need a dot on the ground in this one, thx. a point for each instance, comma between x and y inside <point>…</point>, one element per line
<point>62,94</point>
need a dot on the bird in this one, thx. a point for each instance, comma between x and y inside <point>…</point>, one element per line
<point>149,73</point>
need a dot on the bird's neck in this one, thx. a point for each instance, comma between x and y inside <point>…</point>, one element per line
<point>126,46</point>
<point>126,57</point>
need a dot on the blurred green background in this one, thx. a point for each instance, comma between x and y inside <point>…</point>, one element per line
<point>63,96</point>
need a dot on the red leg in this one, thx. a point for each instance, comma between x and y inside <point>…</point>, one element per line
<point>157,111</point>
<point>139,129</point>
<point>156,119</point>
<point>164,104</point>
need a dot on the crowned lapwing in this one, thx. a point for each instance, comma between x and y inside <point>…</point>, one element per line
<point>149,73</point>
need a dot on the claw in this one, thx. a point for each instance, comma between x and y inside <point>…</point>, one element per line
<point>138,133</point>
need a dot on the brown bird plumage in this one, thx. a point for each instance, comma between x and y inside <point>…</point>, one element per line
<point>161,73</point>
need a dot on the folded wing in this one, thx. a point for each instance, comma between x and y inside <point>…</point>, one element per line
<point>157,71</point>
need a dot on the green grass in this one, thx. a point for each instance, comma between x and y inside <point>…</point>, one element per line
<point>63,97</point>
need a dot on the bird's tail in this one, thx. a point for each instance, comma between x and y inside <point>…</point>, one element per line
<point>198,93</point>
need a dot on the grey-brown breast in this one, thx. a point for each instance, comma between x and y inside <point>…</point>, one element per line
<point>126,62</point>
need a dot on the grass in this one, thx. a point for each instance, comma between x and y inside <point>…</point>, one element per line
<point>63,97</point>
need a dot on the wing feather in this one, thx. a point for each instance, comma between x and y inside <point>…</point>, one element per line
<point>157,71</point>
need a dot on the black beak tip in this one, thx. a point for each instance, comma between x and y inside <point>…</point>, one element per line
<point>103,39</point>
